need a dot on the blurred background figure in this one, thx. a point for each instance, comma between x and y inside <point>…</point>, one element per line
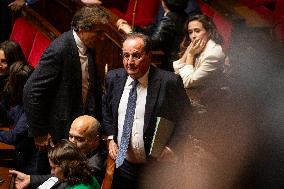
<point>10,52</point>
<point>15,118</point>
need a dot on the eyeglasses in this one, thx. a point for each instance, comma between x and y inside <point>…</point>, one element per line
<point>135,56</point>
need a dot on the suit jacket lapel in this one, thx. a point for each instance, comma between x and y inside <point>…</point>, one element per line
<point>91,92</point>
<point>117,92</point>
<point>153,91</point>
<point>75,59</point>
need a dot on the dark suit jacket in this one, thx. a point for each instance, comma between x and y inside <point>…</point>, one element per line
<point>166,35</point>
<point>53,93</point>
<point>166,98</point>
<point>18,136</point>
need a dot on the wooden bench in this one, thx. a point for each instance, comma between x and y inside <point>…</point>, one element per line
<point>7,154</point>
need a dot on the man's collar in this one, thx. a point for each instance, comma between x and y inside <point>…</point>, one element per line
<point>91,154</point>
<point>81,46</point>
<point>142,80</point>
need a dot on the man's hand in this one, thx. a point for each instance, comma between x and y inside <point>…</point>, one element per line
<point>112,149</point>
<point>44,142</point>
<point>22,180</point>
<point>16,5</point>
<point>167,155</point>
<point>123,26</point>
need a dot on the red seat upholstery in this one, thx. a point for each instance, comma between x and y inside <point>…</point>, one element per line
<point>265,13</point>
<point>279,9</point>
<point>23,33</point>
<point>273,16</point>
<point>279,32</point>
<point>145,12</point>
<point>224,27</point>
<point>117,5</point>
<point>256,3</point>
<point>206,10</point>
<point>40,44</point>
<point>276,17</point>
<point>32,41</point>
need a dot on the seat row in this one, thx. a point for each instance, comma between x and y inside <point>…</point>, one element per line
<point>272,11</point>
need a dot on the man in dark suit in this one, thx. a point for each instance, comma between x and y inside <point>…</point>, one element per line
<point>65,83</point>
<point>158,94</point>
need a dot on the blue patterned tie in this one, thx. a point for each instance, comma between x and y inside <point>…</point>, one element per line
<point>127,126</point>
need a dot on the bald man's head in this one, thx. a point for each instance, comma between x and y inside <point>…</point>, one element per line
<point>85,133</point>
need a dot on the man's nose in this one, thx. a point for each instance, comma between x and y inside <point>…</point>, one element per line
<point>72,139</point>
<point>131,59</point>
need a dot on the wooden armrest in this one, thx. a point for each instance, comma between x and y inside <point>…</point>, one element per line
<point>3,128</point>
<point>107,182</point>
<point>4,146</point>
<point>40,23</point>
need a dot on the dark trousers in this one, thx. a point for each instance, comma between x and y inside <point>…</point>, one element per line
<point>127,176</point>
<point>42,163</point>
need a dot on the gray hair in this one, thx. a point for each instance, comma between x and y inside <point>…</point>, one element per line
<point>87,18</point>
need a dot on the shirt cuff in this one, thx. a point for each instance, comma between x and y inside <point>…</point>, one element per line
<point>110,137</point>
<point>29,2</point>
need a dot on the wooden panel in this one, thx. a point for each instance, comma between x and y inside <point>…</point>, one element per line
<point>40,23</point>
<point>108,51</point>
<point>4,174</point>
<point>58,12</point>
<point>7,154</point>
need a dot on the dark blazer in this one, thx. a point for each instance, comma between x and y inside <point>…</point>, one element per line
<point>166,35</point>
<point>166,98</point>
<point>18,136</point>
<point>53,93</point>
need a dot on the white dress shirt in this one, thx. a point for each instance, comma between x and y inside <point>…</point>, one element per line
<point>82,49</point>
<point>48,183</point>
<point>136,151</point>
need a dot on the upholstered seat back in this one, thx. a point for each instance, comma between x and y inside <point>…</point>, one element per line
<point>32,40</point>
<point>145,11</point>
<point>224,27</point>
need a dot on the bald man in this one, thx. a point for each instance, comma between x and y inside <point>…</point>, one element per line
<point>85,134</point>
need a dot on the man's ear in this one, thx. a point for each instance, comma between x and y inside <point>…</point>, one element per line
<point>80,33</point>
